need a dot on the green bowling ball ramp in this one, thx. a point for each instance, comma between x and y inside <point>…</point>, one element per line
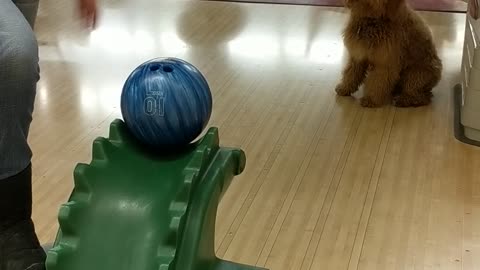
<point>132,209</point>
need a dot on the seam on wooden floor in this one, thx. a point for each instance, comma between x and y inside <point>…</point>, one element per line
<point>251,88</point>
<point>246,204</point>
<point>247,141</point>
<point>243,211</point>
<point>303,169</point>
<point>375,178</point>
<point>334,183</point>
<point>221,250</point>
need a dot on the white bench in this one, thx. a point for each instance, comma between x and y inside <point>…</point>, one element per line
<point>469,102</point>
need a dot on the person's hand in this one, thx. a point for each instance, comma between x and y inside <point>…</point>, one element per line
<point>88,12</point>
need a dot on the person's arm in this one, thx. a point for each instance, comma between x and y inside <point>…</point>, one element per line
<point>88,11</point>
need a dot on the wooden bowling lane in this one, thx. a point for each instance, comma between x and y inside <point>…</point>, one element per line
<point>328,184</point>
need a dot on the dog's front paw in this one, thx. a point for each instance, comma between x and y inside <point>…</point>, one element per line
<point>368,102</point>
<point>344,90</point>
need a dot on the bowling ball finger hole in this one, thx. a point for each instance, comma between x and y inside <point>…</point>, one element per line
<point>168,68</point>
<point>155,67</point>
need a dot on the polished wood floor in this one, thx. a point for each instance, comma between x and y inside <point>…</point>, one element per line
<point>328,184</point>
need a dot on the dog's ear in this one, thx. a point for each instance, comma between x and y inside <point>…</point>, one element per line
<point>384,8</point>
<point>375,8</point>
<point>394,4</point>
<point>392,7</point>
<point>350,3</point>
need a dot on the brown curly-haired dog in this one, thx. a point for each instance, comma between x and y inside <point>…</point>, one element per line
<point>391,52</point>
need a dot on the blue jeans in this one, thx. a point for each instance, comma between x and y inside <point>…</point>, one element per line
<point>19,74</point>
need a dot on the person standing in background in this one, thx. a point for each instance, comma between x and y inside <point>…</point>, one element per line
<point>19,73</point>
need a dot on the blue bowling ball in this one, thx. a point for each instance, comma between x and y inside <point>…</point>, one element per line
<point>166,102</point>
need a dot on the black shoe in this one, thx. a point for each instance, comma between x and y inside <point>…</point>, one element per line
<point>19,245</point>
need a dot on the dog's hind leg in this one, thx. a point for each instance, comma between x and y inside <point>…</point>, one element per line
<point>416,85</point>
